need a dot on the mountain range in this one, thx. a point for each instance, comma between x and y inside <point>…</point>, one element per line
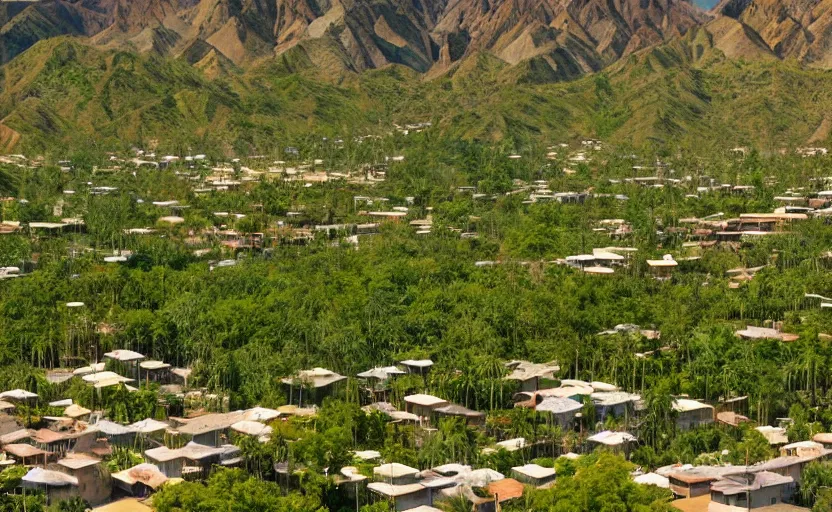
<point>566,38</point>
<point>224,56</point>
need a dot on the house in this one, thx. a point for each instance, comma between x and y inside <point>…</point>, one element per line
<point>423,405</point>
<point>93,482</point>
<point>825,439</point>
<point>692,413</point>
<point>27,454</point>
<point>774,435</point>
<point>61,442</point>
<point>210,429</point>
<point>533,474</point>
<point>77,412</point>
<point>55,485</point>
<point>563,410</point>
<point>417,366</point>
<point>804,449</point>
<point>140,480</point>
<point>471,417</point>
<point>155,371</point>
<point>173,463</point>
<point>529,374</point>
<point>731,419</point>
<point>749,491</point>
<point>403,497</point>
<point>615,440</point>
<point>252,428</point>
<point>19,395</point>
<point>619,404</point>
<point>692,482</point>
<point>317,380</point>
<point>662,269</point>
<point>150,428</point>
<point>115,433</point>
<point>395,474</point>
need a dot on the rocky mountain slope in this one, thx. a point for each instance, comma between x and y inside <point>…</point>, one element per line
<point>571,37</point>
<point>791,29</point>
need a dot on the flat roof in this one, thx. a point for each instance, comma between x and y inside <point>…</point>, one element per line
<point>76,462</point>
<point>394,470</point>
<point>534,471</point>
<point>424,400</point>
<point>394,491</point>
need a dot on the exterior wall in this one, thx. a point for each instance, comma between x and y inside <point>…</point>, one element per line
<point>737,503</point>
<point>208,439</point>
<point>689,491</point>
<point>56,494</point>
<point>93,484</point>
<point>171,468</point>
<point>530,385</point>
<point>691,419</point>
<point>413,500</point>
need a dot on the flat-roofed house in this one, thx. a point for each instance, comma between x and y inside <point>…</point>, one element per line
<point>616,440</point>
<point>115,433</point>
<point>318,381</point>
<point>403,497</point>
<point>140,480</point>
<point>57,486</point>
<point>792,465</point>
<point>27,454</point>
<point>774,435</point>
<point>662,269</point>
<point>417,366</point>
<point>533,474</point>
<point>93,484</point>
<point>692,482</point>
<point>423,405</point>
<point>395,473</point>
<point>471,417</point>
<point>562,409</point>
<point>619,404</point>
<point>529,374</point>
<point>749,491</point>
<point>210,429</point>
<point>804,449</point>
<point>155,371</point>
<point>172,462</point>
<point>692,413</point>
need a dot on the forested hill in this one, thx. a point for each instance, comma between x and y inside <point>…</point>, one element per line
<point>63,94</point>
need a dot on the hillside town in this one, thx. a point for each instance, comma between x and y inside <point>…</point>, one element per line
<point>136,384</point>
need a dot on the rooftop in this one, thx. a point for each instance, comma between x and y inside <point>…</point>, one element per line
<point>78,462</point>
<point>394,470</point>
<point>506,489</point>
<point>742,483</point>
<point>394,491</point>
<point>148,474</point>
<point>124,355</point>
<point>40,476</point>
<point>609,438</point>
<point>534,471</point>
<point>424,400</point>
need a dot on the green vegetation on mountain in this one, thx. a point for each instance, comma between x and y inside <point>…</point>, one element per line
<point>62,93</point>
